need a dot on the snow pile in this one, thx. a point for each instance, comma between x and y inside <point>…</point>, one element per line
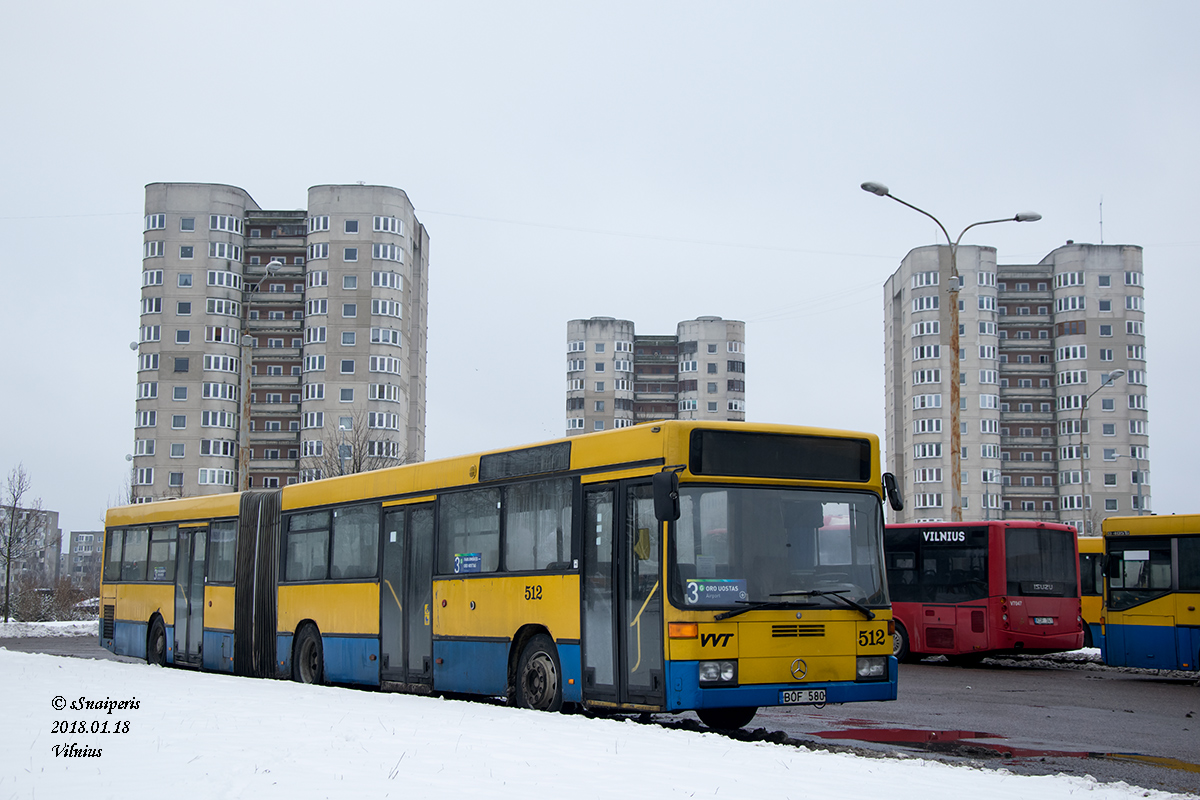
<point>16,630</point>
<point>220,736</point>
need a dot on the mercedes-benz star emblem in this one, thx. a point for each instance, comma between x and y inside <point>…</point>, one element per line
<point>799,669</point>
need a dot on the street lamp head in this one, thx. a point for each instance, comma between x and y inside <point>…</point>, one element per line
<point>1027,216</point>
<point>273,265</point>
<point>1112,376</point>
<point>875,188</point>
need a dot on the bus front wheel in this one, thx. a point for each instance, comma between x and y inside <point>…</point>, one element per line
<point>537,680</point>
<point>726,719</point>
<point>308,662</point>
<point>156,644</point>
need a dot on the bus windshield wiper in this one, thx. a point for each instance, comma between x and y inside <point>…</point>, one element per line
<point>838,594</point>
<point>753,605</point>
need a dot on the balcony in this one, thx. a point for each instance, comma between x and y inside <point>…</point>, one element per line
<point>273,437</point>
<point>1039,492</point>
<point>274,464</point>
<point>264,327</point>
<point>1011,466</point>
<point>274,381</point>
<point>264,409</point>
<point>1028,441</point>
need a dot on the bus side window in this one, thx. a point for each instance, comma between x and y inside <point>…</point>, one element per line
<point>112,559</point>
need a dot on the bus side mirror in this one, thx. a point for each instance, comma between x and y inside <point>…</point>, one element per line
<point>666,496</point>
<point>892,490</point>
<point>1112,567</point>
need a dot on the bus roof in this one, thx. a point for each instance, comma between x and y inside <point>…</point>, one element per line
<point>1000,523</point>
<point>1152,525</point>
<point>638,449</point>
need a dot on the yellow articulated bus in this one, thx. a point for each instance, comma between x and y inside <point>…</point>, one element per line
<point>1091,587</point>
<point>1152,592</point>
<point>660,568</point>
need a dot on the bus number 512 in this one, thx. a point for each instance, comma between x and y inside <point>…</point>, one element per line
<point>872,637</point>
<point>533,592</point>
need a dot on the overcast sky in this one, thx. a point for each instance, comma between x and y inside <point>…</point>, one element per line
<point>651,161</point>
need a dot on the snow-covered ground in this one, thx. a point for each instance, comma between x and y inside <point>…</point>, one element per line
<point>12,630</point>
<point>220,736</point>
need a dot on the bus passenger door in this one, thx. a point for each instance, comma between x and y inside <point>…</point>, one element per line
<point>189,595</point>
<point>622,596</point>
<point>405,596</point>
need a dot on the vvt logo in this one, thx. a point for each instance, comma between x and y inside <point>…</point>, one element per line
<point>715,639</point>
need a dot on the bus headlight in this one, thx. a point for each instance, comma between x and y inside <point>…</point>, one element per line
<point>718,673</point>
<point>872,667</point>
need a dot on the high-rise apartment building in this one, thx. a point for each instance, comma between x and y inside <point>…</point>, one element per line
<point>616,378</point>
<point>81,561</point>
<point>1047,431</point>
<point>277,346</point>
<point>35,553</point>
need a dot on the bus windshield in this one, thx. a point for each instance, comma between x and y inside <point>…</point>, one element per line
<point>1139,570</point>
<point>737,545</point>
<point>1040,562</point>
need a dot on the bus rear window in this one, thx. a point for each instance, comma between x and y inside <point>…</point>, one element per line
<point>1040,562</point>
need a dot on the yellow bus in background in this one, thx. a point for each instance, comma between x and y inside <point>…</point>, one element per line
<point>1152,592</point>
<point>665,567</point>
<point>1091,587</point>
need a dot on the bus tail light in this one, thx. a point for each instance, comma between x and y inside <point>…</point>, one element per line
<point>683,630</point>
<point>891,627</point>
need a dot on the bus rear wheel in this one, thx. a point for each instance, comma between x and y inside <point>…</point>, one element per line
<point>156,644</point>
<point>537,681</point>
<point>727,719</point>
<point>308,661</point>
<point>900,647</point>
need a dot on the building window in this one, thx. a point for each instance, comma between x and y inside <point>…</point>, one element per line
<point>349,310</point>
<point>348,338</point>
<point>350,254</point>
<point>347,367</point>
<point>599,366</point>
<point>186,251</point>
<point>598,425</point>
<point>350,226</point>
<point>1106,305</point>
<point>599,405</point>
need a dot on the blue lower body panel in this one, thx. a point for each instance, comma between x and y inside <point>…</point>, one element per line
<point>129,639</point>
<point>684,692</point>
<point>351,659</point>
<point>1152,647</point>
<point>283,655</point>
<point>471,667</point>
<point>218,651</point>
<point>570,660</point>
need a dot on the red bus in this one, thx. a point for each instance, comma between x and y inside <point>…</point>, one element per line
<point>969,589</point>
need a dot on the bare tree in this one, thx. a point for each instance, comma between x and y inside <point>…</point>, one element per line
<point>23,521</point>
<point>353,446</point>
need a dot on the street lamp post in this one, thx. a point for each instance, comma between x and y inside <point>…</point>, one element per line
<point>1137,465</point>
<point>1112,376</point>
<point>244,351</point>
<point>955,434</point>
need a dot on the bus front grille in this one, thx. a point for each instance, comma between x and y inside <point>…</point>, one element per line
<point>789,631</point>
